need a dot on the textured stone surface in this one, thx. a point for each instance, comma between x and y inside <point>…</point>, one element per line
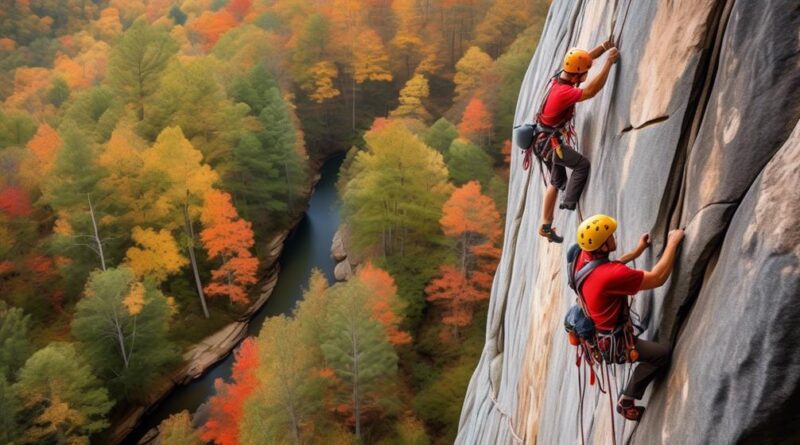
<point>694,129</point>
<point>343,271</point>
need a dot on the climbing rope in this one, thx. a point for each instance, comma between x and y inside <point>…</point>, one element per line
<point>504,414</point>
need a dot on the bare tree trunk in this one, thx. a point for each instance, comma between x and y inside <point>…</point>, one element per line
<point>96,234</point>
<point>120,339</point>
<point>190,233</point>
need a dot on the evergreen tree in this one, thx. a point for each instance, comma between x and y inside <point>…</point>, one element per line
<point>62,400</point>
<point>15,346</point>
<point>467,162</point>
<point>15,129</point>
<point>122,325</point>
<point>10,429</point>
<point>95,112</point>
<point>137,62</point>
<point>359,353</point>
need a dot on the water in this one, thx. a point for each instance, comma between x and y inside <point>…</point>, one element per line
<point>308,248</point>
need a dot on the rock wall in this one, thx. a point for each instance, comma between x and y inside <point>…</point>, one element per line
<point>697,127</point>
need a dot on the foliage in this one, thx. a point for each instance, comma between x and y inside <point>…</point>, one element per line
<point>469,70</point>
<point>466,161</point>
<point>360,356</point>
<point>62,400</point>
<point>121,325</point>
<point>476,124</point>
<point>15,344</point>
<point>411,97</point>
<point>227,405</point>
<point>229,238</point>
<point>177,430</point>
<point>157,258</point>
<point>440,135</point>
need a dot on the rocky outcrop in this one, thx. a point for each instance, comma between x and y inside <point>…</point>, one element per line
<point>341,251</point>
<point>697,128</point>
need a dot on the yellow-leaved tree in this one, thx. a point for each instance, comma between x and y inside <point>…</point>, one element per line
<point>469,71</point>
<point>157,255</point>
<point>411,97</point>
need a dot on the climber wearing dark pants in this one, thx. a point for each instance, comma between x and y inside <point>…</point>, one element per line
<point>563,157</point>
<point>555,117</point>
<point>652,357</point>
<point>604,291</point>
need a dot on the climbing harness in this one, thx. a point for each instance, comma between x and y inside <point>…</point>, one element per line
<point>595,348</point>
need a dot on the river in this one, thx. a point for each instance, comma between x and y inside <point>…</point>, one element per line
<point>309,247</point>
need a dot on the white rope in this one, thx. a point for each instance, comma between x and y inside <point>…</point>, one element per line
<point>503,413</point>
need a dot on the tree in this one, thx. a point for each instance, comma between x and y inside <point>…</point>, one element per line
<point>476,124</point>
<point>177,430</point>
<point>137,62</point>
<point>286,406</point>
<point>467,162</point>
<point>157,258</point>
<point>15,344</point>
<point>470,218</point>
<point>312,311</point>
<point>503,22</point>
<point>15,129</point>
<point>94,111</point>
<point>359,354</point>
<point>440,135</point>
<point>190,97</point>
<point>407,41</point>
<point>211,25</point>
<point>386,307</point>
<point>62,400</point>
<point>228,238</point>
<point>122,326</point>
<point>469,70</point>
<point>369,62</point>
<point>44,145</point>
<point>10,428</point>
<point>411,97</point>
<point>226,406</point>
<point>59,92</point>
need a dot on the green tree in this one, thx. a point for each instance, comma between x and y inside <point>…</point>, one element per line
<point>359,353</point>
<point>177,430</point>
<point>466,162</point>
<point>95,112</point>
<point>439,402</point>
<point>16,129</point>
<point>469,71</point>
<point>287,403</point>
<point>10,429</point>
<point>62,400</point>
<point>15,345</point>
<point>122,326</point>
<point>190,97</point>
<point>440,135</point>
<point>59,91</point>
<point>254,89</point>
<point>311,312</point>
<point>137,61</point>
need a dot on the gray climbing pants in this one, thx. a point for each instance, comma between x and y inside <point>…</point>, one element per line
<point>652,358</point>
<point>580,167</point>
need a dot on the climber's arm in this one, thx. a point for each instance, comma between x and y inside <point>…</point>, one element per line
<point>663,268</point>
<point>644,243</point>
<point>601,48</point>
<point>598,82</point>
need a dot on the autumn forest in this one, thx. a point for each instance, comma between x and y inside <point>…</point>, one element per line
<point>153,152</point>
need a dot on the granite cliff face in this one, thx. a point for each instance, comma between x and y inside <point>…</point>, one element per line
<point>697,127</point>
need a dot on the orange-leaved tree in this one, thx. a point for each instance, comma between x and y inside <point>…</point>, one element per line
<point>228,238</point>
<point>384,302</point>
<point>227,405</point>
<point>473,222</point>
<point>476,124</point>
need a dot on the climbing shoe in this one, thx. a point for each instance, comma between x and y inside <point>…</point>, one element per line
<point>550,233</point>
<point>628,410</point>
<point>567,206</point>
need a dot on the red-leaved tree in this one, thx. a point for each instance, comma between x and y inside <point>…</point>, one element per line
<point>227,405</point>
<point>384,302</point>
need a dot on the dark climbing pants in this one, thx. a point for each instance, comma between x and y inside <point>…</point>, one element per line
<point>558,173</point>
<point>652,358</point>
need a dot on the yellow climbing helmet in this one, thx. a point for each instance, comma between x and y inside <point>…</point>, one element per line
<point>577,61</point>
<point>595,230</point>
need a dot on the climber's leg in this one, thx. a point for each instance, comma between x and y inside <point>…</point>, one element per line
<point>580,166</point>
<point>558,177</point>
<point>652,358</point>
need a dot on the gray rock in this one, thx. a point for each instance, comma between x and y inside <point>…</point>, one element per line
<point>337,246</point>
<point>343,271</point>
<point>694,129</point>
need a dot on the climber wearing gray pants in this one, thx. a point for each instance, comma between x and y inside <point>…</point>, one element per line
<point>603,291</point>
<point>565,156</point>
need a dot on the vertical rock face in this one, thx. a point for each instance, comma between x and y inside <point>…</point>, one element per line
<point>697,127</point>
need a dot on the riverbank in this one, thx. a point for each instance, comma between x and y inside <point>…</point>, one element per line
<point>203,356</point>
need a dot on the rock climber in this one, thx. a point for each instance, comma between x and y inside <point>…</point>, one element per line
<point>555,123</point>
<point>605,294</point>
